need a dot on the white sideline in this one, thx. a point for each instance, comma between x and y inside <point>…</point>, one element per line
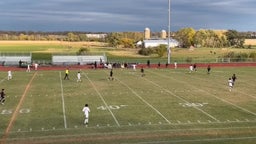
<point>63,102</point>
<point>101,97</point>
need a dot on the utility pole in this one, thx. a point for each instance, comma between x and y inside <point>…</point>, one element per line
<point>169,27</point>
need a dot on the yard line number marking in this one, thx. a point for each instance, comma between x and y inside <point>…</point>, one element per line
<point>9,111</point>
<point>113,107</point>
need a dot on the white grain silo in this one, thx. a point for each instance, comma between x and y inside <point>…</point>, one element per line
<point>147,33</point>
<point>163,34</point>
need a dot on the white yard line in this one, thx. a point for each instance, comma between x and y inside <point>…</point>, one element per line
<point>63,102</point>
<point>173,94</point>
<point>135,93</point>
<point>103,100</point>
<point>241,108</point>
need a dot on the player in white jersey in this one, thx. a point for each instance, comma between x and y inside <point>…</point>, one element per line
<point>36,66</point>
<point>79,77</point>
<point>86,111</point>
<point>175,65</point>
<point>230,84</point>
<point>28,68</point>
<point>9,75</point>
<point>191,68</point>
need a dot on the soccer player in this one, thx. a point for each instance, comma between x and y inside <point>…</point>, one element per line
<point>20,62</point>
<point>175,65</point>
<point>66,74</point>
<point>148,63</point>
<point>86,111</point>
<point>190,68</point>
<point>194,67</point>
<point>28,68</point>
<point>101,61</point>
<point>142,72</point>
<point>2,97</point>
<point>134,67</point>
<point>79,77</point>
<point>36,66</point>
<point>9,75</point>
<point>208,69</point>
<point>166,65</point>
<point>111,75</point>
<point>95,65</point>
<point>122,66</point>
<point>230,84</point>
<point>234,78</point>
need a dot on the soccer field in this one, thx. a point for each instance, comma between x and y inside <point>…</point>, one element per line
<point>165,106</point>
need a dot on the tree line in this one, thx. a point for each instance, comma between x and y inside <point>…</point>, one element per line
<point>48,36</point>
<point>212,38</point>
<point>186,36</point>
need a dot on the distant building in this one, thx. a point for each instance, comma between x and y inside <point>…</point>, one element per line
<point>96,35</point>
<point>157,42</point>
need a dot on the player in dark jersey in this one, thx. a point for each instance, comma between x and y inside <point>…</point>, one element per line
<point>142,72</point>
<point>2,97</point>
<point>111,75</point>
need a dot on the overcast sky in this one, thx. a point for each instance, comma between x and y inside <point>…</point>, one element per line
<point>126,15</point>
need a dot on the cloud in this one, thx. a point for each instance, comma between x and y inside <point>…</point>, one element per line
<point>119,15</point>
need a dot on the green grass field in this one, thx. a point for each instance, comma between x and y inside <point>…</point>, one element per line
<point>165,106</point>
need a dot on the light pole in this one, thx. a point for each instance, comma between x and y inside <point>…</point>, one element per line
<point>169,27</point>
